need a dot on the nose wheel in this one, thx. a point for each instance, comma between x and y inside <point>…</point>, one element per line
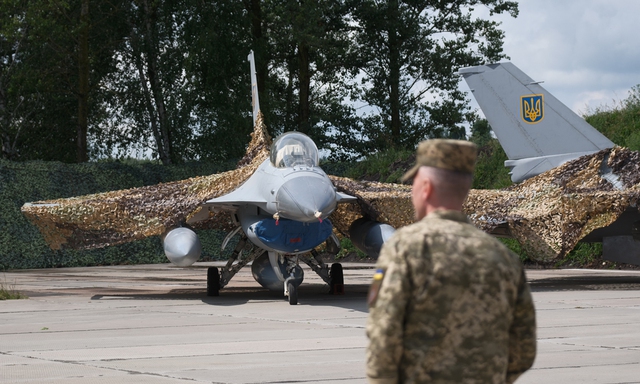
<point>292,293</point>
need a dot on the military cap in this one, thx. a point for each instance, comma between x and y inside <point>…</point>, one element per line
<point>452,155</point>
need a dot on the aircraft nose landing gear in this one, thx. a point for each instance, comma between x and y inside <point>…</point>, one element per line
<point>291,292</point>
<point>290,286</point>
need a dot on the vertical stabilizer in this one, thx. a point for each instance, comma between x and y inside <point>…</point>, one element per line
<point>255,102</point>
<point>535,129</point>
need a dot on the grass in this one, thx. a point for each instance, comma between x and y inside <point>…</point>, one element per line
<point>583,254</point>
<point>347,248</point>
<point>8,292</point>
<point>516,248</point>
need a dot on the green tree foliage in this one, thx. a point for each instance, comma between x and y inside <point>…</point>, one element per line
<point>621,123</point>
<point>409,52</point>
<point>150,110</point>
<point>490,170</point>
<point>389,165</point>
<point>310,57</point>
<point>168,78</point>
<point>55,55</point>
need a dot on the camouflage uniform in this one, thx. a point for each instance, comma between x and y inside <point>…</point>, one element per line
<point>453,307</point>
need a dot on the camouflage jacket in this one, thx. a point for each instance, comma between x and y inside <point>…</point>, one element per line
<point>453,307</point>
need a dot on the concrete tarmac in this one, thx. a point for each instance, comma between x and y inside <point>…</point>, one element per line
<point>155,324</point>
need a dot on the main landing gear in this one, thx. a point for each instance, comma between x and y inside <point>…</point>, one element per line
<point>213,282</point>
<point>336,279</point>
<point>277,271</point>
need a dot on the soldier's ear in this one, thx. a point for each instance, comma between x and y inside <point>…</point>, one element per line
<point>427,188</point>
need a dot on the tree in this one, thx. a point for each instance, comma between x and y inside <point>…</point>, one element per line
<point>59,53</point>
<point>480,132</point>
<point>219,36</point>
<point>12,41</point>
<point>182,91</point>
<point>621,123</point>
<point>311,56</point>
<point>410,51</point>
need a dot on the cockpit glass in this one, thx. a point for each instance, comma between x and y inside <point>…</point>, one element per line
<point>294,149</point>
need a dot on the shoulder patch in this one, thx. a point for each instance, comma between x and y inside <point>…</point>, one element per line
<point>375,287</point>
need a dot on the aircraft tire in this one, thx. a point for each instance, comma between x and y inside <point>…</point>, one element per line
<point>293,293</point>
<point>213,282</point>
<point>337,279</point>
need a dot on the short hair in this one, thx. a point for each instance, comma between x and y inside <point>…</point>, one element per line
<point>449,185</point>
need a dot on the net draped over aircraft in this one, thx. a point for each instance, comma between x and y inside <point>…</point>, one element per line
<point>110,218</point>
<point>548,213</point>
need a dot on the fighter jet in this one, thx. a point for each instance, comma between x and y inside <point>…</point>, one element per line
<point>284,208</point>
<point>279,202</point>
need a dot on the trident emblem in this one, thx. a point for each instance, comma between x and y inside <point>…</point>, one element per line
<point>532,108</point>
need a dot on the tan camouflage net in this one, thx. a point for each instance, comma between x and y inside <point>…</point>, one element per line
<point>548,214</point>
<point>384,202</point>
<point>110,218</point>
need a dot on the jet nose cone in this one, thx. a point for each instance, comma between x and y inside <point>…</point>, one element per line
<point>306,198</point>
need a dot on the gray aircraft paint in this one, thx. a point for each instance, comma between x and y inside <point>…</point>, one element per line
<point>556,136</point>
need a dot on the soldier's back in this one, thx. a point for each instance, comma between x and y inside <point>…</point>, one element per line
<point>464,286</point>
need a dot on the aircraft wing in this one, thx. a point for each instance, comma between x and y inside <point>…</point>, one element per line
<point>115,217</point>
<point>548,214</point>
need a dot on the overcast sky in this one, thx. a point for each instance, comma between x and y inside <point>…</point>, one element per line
<point>587,52</point>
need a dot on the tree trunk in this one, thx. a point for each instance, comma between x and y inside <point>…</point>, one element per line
<point>83,84</point>
<point>394,72</point>
<point>165,150</point>
<point>304,79</point>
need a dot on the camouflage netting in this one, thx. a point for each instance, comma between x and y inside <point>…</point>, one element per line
<point>548,214</point>
<point>385,202</point>
<point>116,217</point>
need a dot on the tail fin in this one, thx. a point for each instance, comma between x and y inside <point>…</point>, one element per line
<point>255,102</point>
<point>260,144</point>
<point>535,129</point>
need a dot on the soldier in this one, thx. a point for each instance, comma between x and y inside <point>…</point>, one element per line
<point>449,303</point>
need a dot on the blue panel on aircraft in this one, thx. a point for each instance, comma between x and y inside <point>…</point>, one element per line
<point>290,236</point>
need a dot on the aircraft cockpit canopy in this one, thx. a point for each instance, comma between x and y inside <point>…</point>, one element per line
<point>294,149</point>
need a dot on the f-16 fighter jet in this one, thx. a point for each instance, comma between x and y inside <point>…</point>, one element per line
<point>279,201</point>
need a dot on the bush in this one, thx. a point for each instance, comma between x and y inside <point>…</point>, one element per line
<point>620,123</point>
<point>386,167</point>
<point>490,171</point>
